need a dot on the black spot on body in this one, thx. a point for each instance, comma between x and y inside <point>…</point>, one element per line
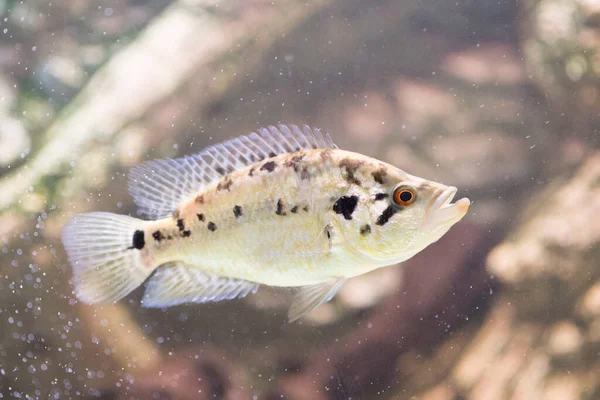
<point>365,230</point>
<point>305,208</point>
<point>180,225</point>
<point>225,184</point>
<point>386,215</point>
<point>211,226</point>
<point>294,162</point>
<point>380,175</point>
<point>186,233</point>
<point>304,174</point>
<point>138,241</point>
<point>325,154</point>
<point>351,167</point>
<point>237,211</point>
<point>353,180</point>
<point>381,196</point>
<point>329,232</point>
<point>268,166</point>
<point>280,208</point>
<point>346,205</point>
<point>251,173</point>
<point>294,209</point>
<point>200,217</point>
<point>199,199</point>
<point>158,236</point>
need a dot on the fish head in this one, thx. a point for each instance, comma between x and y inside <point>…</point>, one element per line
<point>406,214</point>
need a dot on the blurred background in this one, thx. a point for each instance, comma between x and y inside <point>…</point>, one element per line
<point>497,97</point>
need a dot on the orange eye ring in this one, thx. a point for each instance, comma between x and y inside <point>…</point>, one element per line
<point>404,196</point>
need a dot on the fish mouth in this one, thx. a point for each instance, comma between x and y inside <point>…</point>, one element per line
<point>442,211</point>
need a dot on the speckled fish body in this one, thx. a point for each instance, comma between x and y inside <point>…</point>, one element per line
<point>272,222</point>
<point>284,207</point>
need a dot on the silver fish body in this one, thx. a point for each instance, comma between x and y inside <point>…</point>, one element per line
<point>284,207</point>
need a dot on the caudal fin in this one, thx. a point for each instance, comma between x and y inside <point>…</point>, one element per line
<point>105,251</point>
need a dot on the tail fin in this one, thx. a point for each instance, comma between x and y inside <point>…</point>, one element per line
<point>106,253</point>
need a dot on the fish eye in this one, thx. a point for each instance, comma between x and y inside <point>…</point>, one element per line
<point>404,196</point>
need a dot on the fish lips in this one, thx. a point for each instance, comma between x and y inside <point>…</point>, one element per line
<point>442,213</point>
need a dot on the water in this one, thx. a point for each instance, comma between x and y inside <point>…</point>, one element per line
<point>497,98</point>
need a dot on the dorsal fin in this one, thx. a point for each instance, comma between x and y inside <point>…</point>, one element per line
<point>159,186</point>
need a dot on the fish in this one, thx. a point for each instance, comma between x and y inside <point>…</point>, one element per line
<point>281,207</point>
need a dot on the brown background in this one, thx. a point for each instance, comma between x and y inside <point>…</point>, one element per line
<point>499,98</point>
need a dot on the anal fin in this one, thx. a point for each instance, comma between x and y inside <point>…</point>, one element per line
<point>312,296</point>
<point>177,283</point>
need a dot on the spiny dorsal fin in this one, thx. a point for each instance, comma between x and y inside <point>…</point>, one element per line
<point>159,186</point>
<point>178,283</point>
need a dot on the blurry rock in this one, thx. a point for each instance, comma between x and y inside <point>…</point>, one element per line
<point>558,239</point>
<point>25,15</point>
<point>95,170</point>
<point>422,104</point>
<point>370,289</point>
<point>93,55</point>
<point>594,332</point>
<point>194,374</point>
<point>366,122</point>
<point>132,145</point>
<point>549,268</point>
<point>37,113</point>
<point>463,134</point>
<point>564,387</point>
<point>565,338</point>
<point>491,64</point>
<point>561,45</point>
<point>489,158</point>
<point>14,141</point>
<point>61,75</point>
<point>8,96</point>
<point>590,304</point>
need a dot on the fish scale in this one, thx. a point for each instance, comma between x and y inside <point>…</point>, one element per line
<point>280,207</point>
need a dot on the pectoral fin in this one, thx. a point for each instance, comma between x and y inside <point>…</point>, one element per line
<point>311,297</point>
<point>179,283</point>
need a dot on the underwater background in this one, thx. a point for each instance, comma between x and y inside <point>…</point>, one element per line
<point>500,98</point>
